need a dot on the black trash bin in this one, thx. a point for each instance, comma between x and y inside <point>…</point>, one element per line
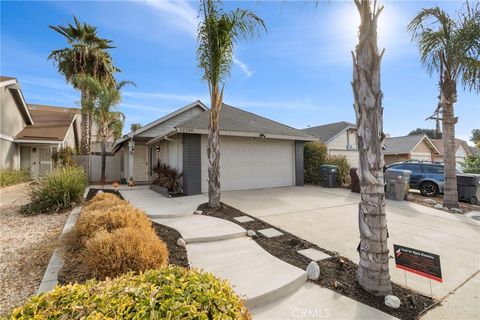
<point>468,186</point>
<point>354,180</point>
<point>328,175</point>
<point>397,184</point>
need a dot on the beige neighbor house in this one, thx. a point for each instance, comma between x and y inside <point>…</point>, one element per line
<point>462,150</point>
<point>413,147</point>
<point>30,134</point>
<point>340,139</point>
<point>255,152</point>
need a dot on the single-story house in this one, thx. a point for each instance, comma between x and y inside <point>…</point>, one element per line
<point>413,147</point>
<point>29,134</point>
<point>255,152</point>
<point>462,150</point>
<point>340,139</point>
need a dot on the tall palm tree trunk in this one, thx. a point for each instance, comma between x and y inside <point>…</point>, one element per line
<point>373,273</point>
<point>84,124</point>
<point>213,149</point>
<point>448,96</point>
<point>104,159</point>
<point>90,128</point>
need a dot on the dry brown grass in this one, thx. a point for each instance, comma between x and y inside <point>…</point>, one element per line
<point>110,254</point>
<point>104,201</point>
<point>109,219</point>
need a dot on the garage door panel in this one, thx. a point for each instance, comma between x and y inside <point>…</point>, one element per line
<point>249,164</point>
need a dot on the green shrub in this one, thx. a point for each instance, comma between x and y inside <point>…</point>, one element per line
<point>9,177</point>
<point>168,293</point>
<point>64,157</point>
<point>471,164</point>
<point>314,154</point>
<point>60,189</point>
<point>343,173</point>
<point>168,177</point>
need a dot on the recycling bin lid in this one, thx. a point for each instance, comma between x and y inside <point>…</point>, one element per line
<point>329,166</point>
<point>468,179</point>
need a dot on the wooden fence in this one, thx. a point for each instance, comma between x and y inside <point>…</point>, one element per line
<point>93,166</point>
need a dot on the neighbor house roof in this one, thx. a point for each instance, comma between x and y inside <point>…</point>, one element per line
<point>475,151</point>
<point>406,144</point>
<point>327,132</point>
<point>50,123</point>
<point>13,87</point>
<point>235,121</point>
<point>458,142</point>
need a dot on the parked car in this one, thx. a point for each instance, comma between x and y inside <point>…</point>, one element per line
<point>427,176</point>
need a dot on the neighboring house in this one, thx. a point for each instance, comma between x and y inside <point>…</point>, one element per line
<point>413,147</point>
<point>462,149</point>
<point>29,134</point>
<point>474,151</point>
<point>255,152</point>
<point>340,139</point>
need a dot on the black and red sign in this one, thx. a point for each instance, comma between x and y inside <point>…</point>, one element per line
<point>419,262</point>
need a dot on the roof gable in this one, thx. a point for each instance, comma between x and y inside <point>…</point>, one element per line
<point>406,144</point>
<point>458,142</point>
<point>11,84</point>
<point>329,131</point>
<point>235,120</point>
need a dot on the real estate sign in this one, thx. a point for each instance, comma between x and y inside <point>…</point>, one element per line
<point>419,262</point>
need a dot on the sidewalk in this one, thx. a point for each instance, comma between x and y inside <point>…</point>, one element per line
<point>272,288</point>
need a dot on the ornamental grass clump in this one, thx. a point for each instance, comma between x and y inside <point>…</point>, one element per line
<point>120,215</point>
<point>169,293</point>
<point>103,201</point>
<point>58,190</point>
<point>110,254</point>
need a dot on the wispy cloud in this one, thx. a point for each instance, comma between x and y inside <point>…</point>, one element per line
<point>140,107</point>
<point>164,96</point>
<point>245,69</point>
<point>180,14</point>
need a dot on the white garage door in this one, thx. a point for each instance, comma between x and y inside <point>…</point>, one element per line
<point>250,164</point>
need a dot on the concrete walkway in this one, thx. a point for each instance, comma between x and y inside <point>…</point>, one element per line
<point>272,288</point>
<point>14,195</point>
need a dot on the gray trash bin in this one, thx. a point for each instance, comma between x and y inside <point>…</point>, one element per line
<point>468,186</point>
<point>328,175</point>
<point>397,184</point>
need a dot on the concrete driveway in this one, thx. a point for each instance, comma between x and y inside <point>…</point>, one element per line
<point>328,218</point>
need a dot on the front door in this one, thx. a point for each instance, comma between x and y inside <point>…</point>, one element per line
<point>45,160</point>
<point>140,163</point>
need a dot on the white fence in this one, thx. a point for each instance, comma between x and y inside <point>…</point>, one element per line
<point>93,166</point>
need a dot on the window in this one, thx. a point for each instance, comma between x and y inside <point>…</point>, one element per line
<point>433,169</point>
<point>414,167</point>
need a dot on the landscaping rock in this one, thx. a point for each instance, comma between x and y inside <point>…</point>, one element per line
<point>392,302</point>
<point>429,200</point>
<point>198,212</point>
<point>313,271</point>
<point>456,210</point>
<point>181,243</point>
<point>252,233</point>
<point>99,191</point>
<point>438,206</point>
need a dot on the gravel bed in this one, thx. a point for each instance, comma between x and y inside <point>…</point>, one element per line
<point>26,245</point>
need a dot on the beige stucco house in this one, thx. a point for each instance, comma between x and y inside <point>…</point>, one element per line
<point>29,134</point>
<point>413,147</point>
<point>340,139</point>
<point>462,150</point>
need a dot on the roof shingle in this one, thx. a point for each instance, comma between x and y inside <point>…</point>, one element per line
<point>328,131</point>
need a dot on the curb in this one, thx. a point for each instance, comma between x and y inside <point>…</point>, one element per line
<point>50,278</point>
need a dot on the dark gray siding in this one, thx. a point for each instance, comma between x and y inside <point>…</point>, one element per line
<point>299,163</point>
<point>192,177</point>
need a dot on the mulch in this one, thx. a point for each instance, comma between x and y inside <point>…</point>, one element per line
<point>431,201</point>
<point>176,255</point>
<point>337,273</point>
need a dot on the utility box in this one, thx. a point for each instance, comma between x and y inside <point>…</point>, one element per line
<point>328,175</point>
<point>397,184</point>
<point>468,187</point>
<point>354,180</point>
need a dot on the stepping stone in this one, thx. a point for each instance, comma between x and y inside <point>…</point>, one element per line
<point>313,254</point>
<point>270,232</point>
<point>243,219</point>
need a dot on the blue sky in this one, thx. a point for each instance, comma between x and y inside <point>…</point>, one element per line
<point>297,73</point>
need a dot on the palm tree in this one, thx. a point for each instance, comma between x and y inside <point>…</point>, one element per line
<point>104,101</point>
<point>217,35</point>
<point>373,273</point>
<point>450,48</point>
<point>86,55</point>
